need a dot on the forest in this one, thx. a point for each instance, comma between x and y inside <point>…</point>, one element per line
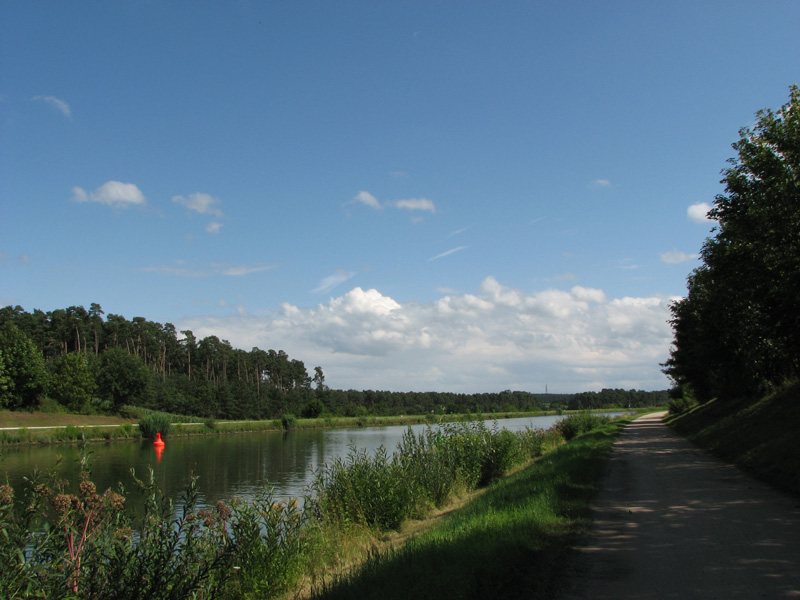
<point>86,361</point>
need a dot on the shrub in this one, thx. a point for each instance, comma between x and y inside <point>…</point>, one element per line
<point>288,421</point>
<point>577,424</point>
<point>153,423</point>
<point>364,490</point>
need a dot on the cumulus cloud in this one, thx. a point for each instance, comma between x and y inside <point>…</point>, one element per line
<point>112,193</point>
<point>674,257</point>
<point>56,103</point>
<point>205,204</point>
<point>699,212</point>
<point>498,338</point>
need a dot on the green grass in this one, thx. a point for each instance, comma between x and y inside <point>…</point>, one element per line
<point>759,436</point>
<point>508,542</point>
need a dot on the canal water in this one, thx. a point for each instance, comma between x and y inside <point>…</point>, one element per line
<point>235,465</point>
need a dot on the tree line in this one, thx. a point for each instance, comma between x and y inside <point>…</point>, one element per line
<point>737,332</point>
<point>87,361</point>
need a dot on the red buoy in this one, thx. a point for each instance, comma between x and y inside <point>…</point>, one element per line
<point>159,447</point>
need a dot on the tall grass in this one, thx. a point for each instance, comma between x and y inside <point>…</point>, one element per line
<point>509,542</point>
<point>382,491</point>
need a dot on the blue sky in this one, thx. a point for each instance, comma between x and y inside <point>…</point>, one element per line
<point>468,197</point>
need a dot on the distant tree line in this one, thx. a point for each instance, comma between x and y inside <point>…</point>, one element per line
<point>87,361</point>
<point>737,332</point>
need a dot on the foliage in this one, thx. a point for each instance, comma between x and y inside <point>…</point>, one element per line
<point>122,378</point>
<point>23,378</point>
<point>73,385</point>
<point>288,421</point>
<point>575,425</point>
<point>153,423</point>
<point>737,332</point>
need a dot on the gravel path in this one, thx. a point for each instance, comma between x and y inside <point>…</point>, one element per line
<point>673,522</point>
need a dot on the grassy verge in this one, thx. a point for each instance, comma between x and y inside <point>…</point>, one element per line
<point>759,436</point>
<point>510,541</point>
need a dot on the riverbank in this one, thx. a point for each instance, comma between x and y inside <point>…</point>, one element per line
<point>22,427</point>
<point>507,541</point>
<point>259,547</point>
<point>759,436</point>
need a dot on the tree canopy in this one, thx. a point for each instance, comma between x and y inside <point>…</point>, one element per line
<point>737,332</point>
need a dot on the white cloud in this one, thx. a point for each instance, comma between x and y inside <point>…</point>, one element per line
<point>675,257</point>
<point>500,338</point>
<point>699,212</point>
<point>213,227</point>
<point>414,204</point>
<point>112,193</point>
<point>366,198</point>
<point>447,253</point>
<point>56,103</point>
<point>205,204</point>
<point>332,281</point>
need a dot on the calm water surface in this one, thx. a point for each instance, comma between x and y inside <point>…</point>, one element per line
<point>236,465</point>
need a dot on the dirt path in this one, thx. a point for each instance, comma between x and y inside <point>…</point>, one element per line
<point>673,522</point>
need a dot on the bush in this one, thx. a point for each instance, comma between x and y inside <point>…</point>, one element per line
<point>153,423</point>
<point>288,421</point>
<point>575,425</point>
<point>364,490</point>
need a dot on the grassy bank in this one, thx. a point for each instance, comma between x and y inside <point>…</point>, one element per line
<point>759,436</point>
<point>70,540</point>
<point>508,542</point>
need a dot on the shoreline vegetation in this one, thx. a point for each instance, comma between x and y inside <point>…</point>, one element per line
<point>23,427</point>
<point>508,506</point>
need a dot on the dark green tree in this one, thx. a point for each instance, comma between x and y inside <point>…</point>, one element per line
<point>738,330</point>
<point>24,372</point>
<point>73,383</point>
<point>122,378</point>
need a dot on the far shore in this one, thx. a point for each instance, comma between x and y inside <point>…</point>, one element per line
<point>22,427</point>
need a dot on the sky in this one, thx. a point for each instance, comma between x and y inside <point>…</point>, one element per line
<point>415,196</point>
